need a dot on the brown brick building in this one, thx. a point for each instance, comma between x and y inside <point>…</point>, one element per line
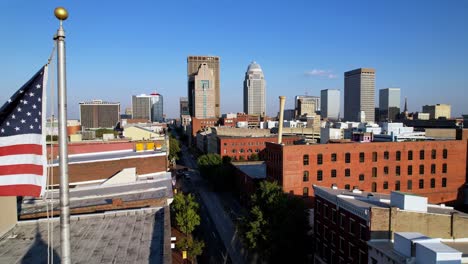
<point>435,169</point>
<point>237,147</point>
<point>345,220</point>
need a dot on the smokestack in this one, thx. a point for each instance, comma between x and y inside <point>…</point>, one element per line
<point>280,123</point>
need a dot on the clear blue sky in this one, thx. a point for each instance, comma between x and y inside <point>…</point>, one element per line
<point>119,48</point>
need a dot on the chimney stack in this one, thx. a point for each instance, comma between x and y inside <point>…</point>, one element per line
<point>280,122</point>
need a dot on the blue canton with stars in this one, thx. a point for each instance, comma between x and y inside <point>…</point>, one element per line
<point>22,113</point>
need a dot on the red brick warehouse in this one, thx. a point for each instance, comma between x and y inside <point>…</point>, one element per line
<point>436,169</point>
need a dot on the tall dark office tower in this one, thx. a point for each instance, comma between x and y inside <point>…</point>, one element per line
<point>149,107</point>
<point>99,114</point>
<point>389,104</point>
<point>193,65</point>
<point>184,106</point>
<point>359,94</point>
<point>254,90</point>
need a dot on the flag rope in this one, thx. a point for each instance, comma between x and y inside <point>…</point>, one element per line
<point>49,194</point>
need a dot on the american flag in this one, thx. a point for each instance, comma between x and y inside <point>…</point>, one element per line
<point>23,165</point>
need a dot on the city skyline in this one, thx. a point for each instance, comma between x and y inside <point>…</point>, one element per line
<point>113,65</point>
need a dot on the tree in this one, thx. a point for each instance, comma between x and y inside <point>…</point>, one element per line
<point>254,157</point>
<point>276,226</point>
<point>185,208</point>
<point>209,164</point>
<point>174,148</point>
<point>194,247</point>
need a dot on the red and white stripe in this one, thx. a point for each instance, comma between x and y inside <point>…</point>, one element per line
<point>23,167</point>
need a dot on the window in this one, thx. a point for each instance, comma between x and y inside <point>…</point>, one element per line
<point>361,177</point>
<point>347,172</point>
<point>444,154</point>
<point>362,232</point>
<point>421,169</point>
<point>433,154</point>
<point>409,185</point>
<point>234,150</point>
<point>385,170</point>
<point>306,160</point>
<point>333,216</point>
<point>374,156</point>
<point>347,157</point>
<point>333,173</point>
<point>361,157</point>
<point>374,187</point>
<point>347,186</point>
<point>374,172</point>
<point>305,177</point>
<point>397,185</point>
<point>444,168</point>
<point>386,155</point>
<point>444,182</point>
<point>433,183</point>
<point>305,192</point>
<point>319,175</point>
<point>352,227</point>
<point>385,185</point>
<point>410,155</point>
<point>333,157</point>
<point>319,159</point>
<point>397,170</point>
<point>410,170</point>
<point>342,244</point>
<point>421,154</point>
<point>398,155</point>
<point>421,184</point>
<point>342,218</point>
<point>433,168</point>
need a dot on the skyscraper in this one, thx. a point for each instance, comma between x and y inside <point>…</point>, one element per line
<point>99,114</point>
<point>359,94</point>
<point>202,93</point>
<point>184,106</point>
<point>330,103</point>
<point>254,90</point>
<point>306,104</point>
<point>389,104</point>
<point>149,107</point>
<point>193,65</point>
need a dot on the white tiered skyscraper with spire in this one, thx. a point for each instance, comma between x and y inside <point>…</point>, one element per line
<point>254,90</point>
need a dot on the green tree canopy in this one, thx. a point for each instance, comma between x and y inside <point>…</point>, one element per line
<point>186,212</point>
<point>276,226</point>
<point>174,148</point>
<point>209,164</point>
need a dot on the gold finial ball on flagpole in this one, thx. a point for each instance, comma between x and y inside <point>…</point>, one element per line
<point>61,13</point>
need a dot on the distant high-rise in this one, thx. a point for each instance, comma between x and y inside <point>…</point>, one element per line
<point>99,114</point>
<point>184,106</point>
<point>202,93</point>
<point>306,104</point>
<point>149,107</point>
<point>389,104</point>
<point>359,94</point>
<point>330,103</point>
<point>193,65</point>
<point>437,111</point>
<point>254,90</point>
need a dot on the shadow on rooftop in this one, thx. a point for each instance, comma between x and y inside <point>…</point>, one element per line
<point>37,253</point>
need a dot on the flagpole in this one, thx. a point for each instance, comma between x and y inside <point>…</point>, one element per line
<point>62,14</point>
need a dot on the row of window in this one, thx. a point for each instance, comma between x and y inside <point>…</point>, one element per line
<point>248,143</point>
<point>409,185</point>
<point>386,171</point>
<point>386,156</point>
<point>243,151</point>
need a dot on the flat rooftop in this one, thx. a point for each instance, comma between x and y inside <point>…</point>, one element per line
<point>255,169</point>
<point>108,156</point>
<point>134,236</point>
<point>366,200</point>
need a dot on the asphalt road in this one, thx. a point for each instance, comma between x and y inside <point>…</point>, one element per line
<point>218,217</point>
